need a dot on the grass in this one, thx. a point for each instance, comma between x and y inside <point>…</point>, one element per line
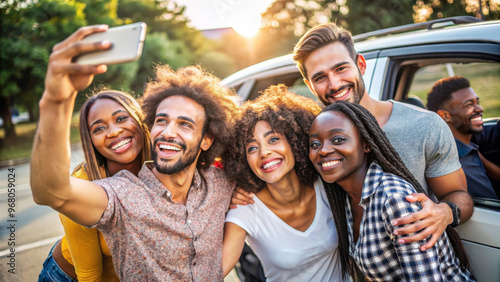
<point>21,147</point>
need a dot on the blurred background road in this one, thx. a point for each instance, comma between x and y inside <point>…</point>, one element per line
<point>37,228</point>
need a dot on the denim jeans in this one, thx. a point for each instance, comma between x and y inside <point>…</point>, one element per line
<point>51,272</point>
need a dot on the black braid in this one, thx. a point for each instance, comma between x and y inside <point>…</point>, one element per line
<point>337,200</point>
<point>390,161</point>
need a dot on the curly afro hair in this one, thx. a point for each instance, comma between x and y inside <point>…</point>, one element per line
<point>288,114</point>
<point>193,82</point>
<point>442,90</point>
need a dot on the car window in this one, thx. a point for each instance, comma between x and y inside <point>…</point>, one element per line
<point>299,87</point>
<point>484,79</point>
<point>293,81</point>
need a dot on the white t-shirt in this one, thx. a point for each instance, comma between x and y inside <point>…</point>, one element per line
<point>288,254</point>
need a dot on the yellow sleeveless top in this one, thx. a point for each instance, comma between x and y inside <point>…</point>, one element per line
<point>85,248</point>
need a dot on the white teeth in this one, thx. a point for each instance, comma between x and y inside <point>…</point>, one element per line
<point>327,164</point>
<point>169,147</point>
<point>477,119</point>
<point>341,93</point>
<point>270,164</point>
<point>121,144</point>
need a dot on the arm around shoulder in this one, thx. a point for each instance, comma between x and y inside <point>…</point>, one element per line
<point>453,187</point>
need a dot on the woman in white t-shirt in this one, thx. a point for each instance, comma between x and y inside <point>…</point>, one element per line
<point>290,226</point>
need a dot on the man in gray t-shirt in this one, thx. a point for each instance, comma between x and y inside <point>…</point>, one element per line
<point>333,71</point>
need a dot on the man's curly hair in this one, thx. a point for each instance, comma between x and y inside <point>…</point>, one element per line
<point>442,90</point>
<point>194,83</point>
<point>287,114</point>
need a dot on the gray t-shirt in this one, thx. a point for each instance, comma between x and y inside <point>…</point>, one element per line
<point>423,140</point>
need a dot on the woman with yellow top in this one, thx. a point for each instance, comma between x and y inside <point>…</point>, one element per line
<point>113,138</point>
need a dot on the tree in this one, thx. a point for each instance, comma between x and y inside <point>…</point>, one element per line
<point>101,12</point>
<point>217,63</point>
<point>165,16</point>
<point>365,15</point>
<point>430,10</point>
<point>159,50</point>
<point>295,17</point>
<point>29,30</point>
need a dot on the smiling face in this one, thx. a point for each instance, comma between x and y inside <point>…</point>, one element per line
<point>336,149</point>
<point>114,133</point>
<point>269,154</point>
<point>177,134</point>
<point>334,76</point>
<point>465,112</point>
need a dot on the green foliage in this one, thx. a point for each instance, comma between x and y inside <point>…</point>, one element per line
<point>366,15</point>
<point>139,11</point>
<point>443,9</point>
<point>29,30</point>
<point>295,17</point>
<point>27,37</point>
<point>159,50</point>
<point>217,63</point>
<point>101,12</point>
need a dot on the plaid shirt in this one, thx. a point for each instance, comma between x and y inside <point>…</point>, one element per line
<point>377,252</point>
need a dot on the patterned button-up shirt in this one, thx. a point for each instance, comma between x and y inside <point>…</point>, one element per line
<point>152,238</point>
<point>377,252</point>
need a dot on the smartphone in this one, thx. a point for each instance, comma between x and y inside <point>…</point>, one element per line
<point>126,45</point>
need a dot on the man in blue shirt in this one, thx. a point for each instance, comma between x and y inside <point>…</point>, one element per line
<point>455,101</point>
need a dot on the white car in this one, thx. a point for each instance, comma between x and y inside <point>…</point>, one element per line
<point>402,64</point>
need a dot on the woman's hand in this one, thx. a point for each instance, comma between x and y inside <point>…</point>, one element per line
<point>64,77</point>
<point>240,197</point>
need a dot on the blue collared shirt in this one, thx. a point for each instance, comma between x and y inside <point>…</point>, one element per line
<point>377,252</point>
<point>478,183</point>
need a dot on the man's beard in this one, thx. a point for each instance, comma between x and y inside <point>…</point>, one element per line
<point>358,90</point>
<point>466,127</point>
<point>185,161</point>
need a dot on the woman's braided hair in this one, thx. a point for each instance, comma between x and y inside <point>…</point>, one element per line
<point>390,161</point>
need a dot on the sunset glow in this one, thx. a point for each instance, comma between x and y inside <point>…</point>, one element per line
<point>248,26</point>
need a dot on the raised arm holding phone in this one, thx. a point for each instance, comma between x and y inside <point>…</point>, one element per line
<point>51,185</point>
